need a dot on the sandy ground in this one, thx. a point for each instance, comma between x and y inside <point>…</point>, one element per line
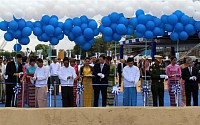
<point>101,116</point>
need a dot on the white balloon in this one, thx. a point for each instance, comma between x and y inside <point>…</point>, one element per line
<point>18,13</point>
<point>128,12</point>
<point>7,16</point>
<point>189,10</point>
<point>196,16</point>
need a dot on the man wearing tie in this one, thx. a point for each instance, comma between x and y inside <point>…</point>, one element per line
<point>190,75</point>
<point>120,67</point>
<point>101,72</point>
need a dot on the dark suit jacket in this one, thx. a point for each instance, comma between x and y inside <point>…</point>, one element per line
<point>186,75</point>
<point>119,67</point>
<point>105,71</point>
<point>10,70</point>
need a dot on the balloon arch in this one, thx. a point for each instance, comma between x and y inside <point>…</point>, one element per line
<point>82,30</point>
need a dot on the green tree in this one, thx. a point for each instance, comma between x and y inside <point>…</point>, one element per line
<point>44,49</point>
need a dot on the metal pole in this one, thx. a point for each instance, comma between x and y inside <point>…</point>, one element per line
<point>55,93</point>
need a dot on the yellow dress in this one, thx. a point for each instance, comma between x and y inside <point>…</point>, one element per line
<point>88,89</point>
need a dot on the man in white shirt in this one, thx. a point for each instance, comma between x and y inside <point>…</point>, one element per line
<point>40,77</point>
<point>131,75</point>
<point>54,69</point>
<point>67,75</point>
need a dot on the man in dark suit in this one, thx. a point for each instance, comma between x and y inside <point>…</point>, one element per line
<point>13,70</point>
<point>101,72</point>
<point>190,74</point>
<point>120,67</point>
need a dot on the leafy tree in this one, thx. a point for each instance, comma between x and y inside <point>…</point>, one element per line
<point>44,49</point>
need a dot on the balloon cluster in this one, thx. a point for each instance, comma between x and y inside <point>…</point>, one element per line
<point>180,25</point>
<point>81,30</point>
<point>147,26</point>
<point>114,26</point>
<point>49,29</point>
<point>17,29</point>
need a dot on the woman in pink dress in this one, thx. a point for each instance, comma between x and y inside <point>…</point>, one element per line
<point>173,72</point>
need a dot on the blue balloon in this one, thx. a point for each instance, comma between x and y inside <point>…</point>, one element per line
<point>71,36</point>
<point>29,24</point>
<point>157,21</point>
<point>4,25</point>
<point>38,24</point>
<point>21,23</point>
<point>107,31</point>
<point>96,32</point>
<point>174,36</point>
<point>189,28</point>
<point>121,29</point>
<point>49,29</point>
<point>67,25</point>
<point>53,21</point>
<point>140,28</point>
<point>60,24</point>
<point>57,31</point>
<point>45,37</point>
<point>192,21</point>
<point>164,19</point>
<point>101,28</point>
<point>199,35</point>
<point>92,41</point>
<point>149,17</point>
<point>116,37</point>
<point>77,21</point>
<point>185,19</point>
<point>183,35</point>
<point>130,31</point>
<point>106,21</point>
<point>148,35</point>
<point>86,46</point>
<point>114,17</point>
<point>54,16</point>
<point>139,12</point>
<point>80,40</point>
<point>179,14</point>
<point>169,28</point>
<point>45,19</point>
<point>66,32</point>
<point>37,31</point>
<point>150,25</point>
<point>76,31</point>
<point>88,33</point>
<point>84,19</point>
<point>26,31</point>
<point>92,25</point>
<point>107,38</point>
<point>39,38</point>
<point>138,35</point>
<point>84,26</point>
<point>17,47</point>
<point>142,19</point>
<point>113,27</point>
<point>54,41</point>
<point>13,25</point>
<point>24,41</point>
<point>17,34</point>
<point>172,19</point>
<point>197,25</point>
<point>133,22</point>
<point>8,36</point>
<point>178,27</point>
<point>124,21</point>
<point>157,31</point>
<point>61,36</point>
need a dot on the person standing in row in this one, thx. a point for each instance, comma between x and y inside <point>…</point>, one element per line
<point>101,72</point>
<point>173,72</point>
<point>191,74</point>
<point>131,76</point>
<point>2,82</point>
<point>157,73</point>
<point>67,75</point>
<point>120,67</point>
<point>41,77</point>
<point>86,73</point>
<point>54,69</point>
<point>13,70</point>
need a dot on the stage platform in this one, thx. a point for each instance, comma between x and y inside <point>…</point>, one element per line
<point>101,116</point>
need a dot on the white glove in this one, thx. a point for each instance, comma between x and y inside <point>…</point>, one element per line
<point>162,76</point>
<point>102,76</point>
<point>166,77</point>
<point>191,78</point>
<point>194,78</point>
<point>99,74</point>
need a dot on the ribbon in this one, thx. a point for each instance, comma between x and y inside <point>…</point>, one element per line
<point>79,89</point>
<point>145,90</point>
<point>176,89</point>
<point>51,89</point>
<point>115,90</point>
<point>17,89</point>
